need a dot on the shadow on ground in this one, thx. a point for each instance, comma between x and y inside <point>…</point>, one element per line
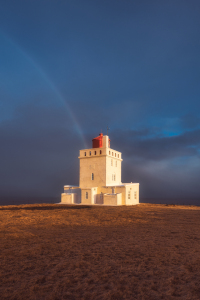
<point>45,207</point>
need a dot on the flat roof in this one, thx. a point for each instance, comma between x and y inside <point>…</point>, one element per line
<point>71,186</point>
<point>123,184</point>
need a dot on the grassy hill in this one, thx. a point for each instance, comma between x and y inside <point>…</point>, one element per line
<point>51,251</point>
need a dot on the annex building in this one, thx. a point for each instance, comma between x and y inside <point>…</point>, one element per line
<point>100,178</point>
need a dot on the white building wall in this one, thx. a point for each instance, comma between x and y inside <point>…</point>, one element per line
<point>85,200</point>
<point>112,199</point>
<point>92,165</point>
<point>113,171</point>
<point>76,191</point>
<point>68,198</point>
<point>134,194</point>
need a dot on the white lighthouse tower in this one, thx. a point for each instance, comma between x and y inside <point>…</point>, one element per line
<point>100,178</point>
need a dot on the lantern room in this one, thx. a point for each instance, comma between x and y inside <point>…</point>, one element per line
<point>98,141</point>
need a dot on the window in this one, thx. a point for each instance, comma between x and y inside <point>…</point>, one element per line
<point>109,152</point>
<point>114,177</point>
<point>95,152</point>
<point>101,196</point>
<point>112,153</point>
<point>115,154</point>
<point>111,162</point>
<point>129,194</point>
<point>85,153</point>
<point>90,152</point>
<point>118,155</point>
<point>135,195</point>
<point>116,163</point>
<point>100,152</point>
<point>92,177</point>
<point>86,195</point>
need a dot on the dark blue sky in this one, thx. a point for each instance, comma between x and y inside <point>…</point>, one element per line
<point>70,68</point>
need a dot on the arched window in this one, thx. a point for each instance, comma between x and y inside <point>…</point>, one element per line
<point>86,195</point>
<point>85,153</point>
<point>100,152</point>
<point>92,177</point>
<point>111,162</point>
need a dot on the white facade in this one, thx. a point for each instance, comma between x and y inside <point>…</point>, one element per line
<point>100,178</point>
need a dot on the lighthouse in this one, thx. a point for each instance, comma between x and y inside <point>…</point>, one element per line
<point>100,178</point>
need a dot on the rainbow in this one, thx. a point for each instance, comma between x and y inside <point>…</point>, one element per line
<point>50,83</point>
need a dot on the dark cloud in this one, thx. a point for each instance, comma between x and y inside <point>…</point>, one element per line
<point>149,144</point>
<point>133,66</point>
<point>190,121</point>
<point>39,150</point>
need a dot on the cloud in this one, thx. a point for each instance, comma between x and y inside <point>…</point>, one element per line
<point>164,166</point>
<point>150,144</point>
<point>190,121</point>
<point>39,148</point>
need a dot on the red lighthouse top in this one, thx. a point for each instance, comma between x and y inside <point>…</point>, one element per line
<point>97,142</point>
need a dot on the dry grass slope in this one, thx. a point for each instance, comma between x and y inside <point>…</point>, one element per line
<point>51,251</point>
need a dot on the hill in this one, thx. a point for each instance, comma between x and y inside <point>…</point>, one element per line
<point>51,251</point>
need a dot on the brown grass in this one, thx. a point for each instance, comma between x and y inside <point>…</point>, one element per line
<point>50,251</point>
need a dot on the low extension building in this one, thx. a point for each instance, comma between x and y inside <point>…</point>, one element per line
<point>100,178</point>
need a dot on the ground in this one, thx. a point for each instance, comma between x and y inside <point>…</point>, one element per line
<point>52,251</point>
